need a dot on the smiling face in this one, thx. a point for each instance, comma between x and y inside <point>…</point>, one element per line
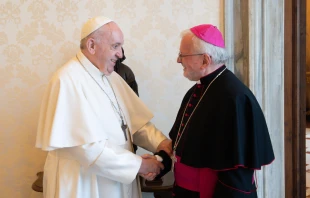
<point>192,65</point>
<point>108,44</point>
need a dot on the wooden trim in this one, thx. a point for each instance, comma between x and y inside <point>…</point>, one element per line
<point>295,97</point>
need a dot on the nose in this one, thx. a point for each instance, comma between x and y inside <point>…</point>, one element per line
<point>119,53</point>
<point>179,59</point>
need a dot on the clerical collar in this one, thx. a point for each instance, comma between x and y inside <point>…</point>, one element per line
<point>208,78</point>
<point>92,69</point>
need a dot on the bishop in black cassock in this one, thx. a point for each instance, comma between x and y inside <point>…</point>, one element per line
<point>220,136</point>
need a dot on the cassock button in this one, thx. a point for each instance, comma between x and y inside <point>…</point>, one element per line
<point>198,86</point>
<point>195,95</point>
<point>186,115</point>
<point>182,124</point>
<point>178,134</point>
<point>189,105</point>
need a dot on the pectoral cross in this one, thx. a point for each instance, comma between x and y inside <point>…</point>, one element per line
<point>174,160</point>
<point>124,127</point>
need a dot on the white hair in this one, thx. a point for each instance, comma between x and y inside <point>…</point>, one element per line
<point>218,55</point>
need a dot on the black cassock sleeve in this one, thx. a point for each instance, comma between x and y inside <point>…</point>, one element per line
<point>167,162</point>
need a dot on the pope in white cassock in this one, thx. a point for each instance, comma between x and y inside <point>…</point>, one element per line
<point>88,121</point>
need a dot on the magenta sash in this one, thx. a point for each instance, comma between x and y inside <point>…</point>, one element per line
<point>202,180</point>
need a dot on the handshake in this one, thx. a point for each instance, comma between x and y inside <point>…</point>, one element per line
<point>157,165</point>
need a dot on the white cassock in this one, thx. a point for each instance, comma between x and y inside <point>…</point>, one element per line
<point>89,156</point>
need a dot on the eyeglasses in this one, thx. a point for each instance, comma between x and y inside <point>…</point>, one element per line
<point>180,56</point>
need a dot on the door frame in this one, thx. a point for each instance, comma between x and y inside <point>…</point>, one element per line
<point>295,97</point>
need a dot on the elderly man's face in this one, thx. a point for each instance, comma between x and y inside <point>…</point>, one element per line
<point>109,49</point>
<point>192,63</point>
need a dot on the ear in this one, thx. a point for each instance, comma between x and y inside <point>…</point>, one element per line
<point>206,60</point>
<point>90,45</point>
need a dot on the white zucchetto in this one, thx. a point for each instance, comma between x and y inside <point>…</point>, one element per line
<point>93,24</point>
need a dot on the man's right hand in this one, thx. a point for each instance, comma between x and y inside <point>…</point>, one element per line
<point>150,165</point>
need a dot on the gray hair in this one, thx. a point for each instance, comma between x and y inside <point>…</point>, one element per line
<point>218,55</point>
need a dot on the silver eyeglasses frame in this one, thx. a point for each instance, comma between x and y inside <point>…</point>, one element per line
<point>180,55</point>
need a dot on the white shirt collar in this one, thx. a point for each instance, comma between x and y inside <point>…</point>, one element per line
<point>92,69</point>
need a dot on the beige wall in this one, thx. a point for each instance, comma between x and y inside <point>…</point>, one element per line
<point>37,37</point>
